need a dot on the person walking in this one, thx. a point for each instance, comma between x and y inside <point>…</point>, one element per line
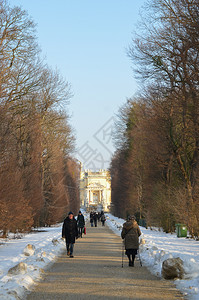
<point>70,233</point>
<point>80,223</point>
<point>98,215</point>
<point>95,218</point>
<point>91,218</point>
<point>130,233</point>
<point>103,219</point>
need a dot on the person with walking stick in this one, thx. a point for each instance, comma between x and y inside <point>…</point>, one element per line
<point>130,233</point>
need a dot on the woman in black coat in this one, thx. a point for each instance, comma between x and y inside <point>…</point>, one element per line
<point>70,233</point>
<point>80,223</point>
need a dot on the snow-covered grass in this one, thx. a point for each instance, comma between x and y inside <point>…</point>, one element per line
<point>11,253</point>
<point>158,247</point>
<point>48,245</point>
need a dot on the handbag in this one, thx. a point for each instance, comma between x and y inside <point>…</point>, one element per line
<point>84,230</point>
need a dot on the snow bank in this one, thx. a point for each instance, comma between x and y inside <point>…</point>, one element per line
<point>12,253</point>
<point>46,246</point>
<point>159,246</point>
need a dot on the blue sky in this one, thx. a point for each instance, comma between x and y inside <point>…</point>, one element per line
<point>86,41</point>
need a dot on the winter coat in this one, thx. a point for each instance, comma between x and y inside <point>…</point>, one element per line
<point>130,234</point>
<point>103,218</point>
<point>80,221</point>
<point>69,230</point>
<point>95,218</point>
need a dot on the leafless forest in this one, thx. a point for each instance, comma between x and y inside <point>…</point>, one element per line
<point>38,177</point>
<point>155,170</point>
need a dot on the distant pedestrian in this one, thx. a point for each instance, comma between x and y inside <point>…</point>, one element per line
<point>80,223</point>
<point>91,219</point>
<point>70,233</point>
<point>98,215</point>
<point>95,218</point>
<point>130,234</point>
<point>103,219</point>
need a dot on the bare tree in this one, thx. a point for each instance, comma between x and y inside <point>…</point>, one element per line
<point>166,52</point>
<point>36,138</point>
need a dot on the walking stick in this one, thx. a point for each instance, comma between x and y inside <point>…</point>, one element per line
<point>122,253</point>
<point>139,258</point>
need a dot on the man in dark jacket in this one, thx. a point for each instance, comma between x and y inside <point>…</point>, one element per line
<point>70,232</point>
<point>80,223</point>
<point>103,219</point>
<point>130,234</point>
<point>95,218</point>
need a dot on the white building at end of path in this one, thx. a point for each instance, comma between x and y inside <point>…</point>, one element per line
<point>95,190</point>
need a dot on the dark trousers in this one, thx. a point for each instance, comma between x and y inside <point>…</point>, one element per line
<point>131,253</point>
<point>80,230</point>
<point>69,248</point>
<point>131,258</point>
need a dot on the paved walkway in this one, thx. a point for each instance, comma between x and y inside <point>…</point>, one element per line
<point>96,273</point>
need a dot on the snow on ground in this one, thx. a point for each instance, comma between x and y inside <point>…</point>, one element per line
<point>11,253</point>
<point>158,247</point>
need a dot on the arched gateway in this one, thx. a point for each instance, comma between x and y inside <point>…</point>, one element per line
<point>95,190</point>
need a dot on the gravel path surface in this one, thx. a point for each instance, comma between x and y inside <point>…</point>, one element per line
<point>96,272</point>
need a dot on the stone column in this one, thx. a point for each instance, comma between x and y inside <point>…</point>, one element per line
<point>87,197</point>
<point>105,199</point>
<point>91,196</point>
<point>100,197</point>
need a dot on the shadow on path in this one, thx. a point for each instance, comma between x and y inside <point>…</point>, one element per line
<point>96,273</point>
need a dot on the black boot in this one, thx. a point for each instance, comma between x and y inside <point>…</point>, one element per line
<point>133,258</point>
<point>130,262</point>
